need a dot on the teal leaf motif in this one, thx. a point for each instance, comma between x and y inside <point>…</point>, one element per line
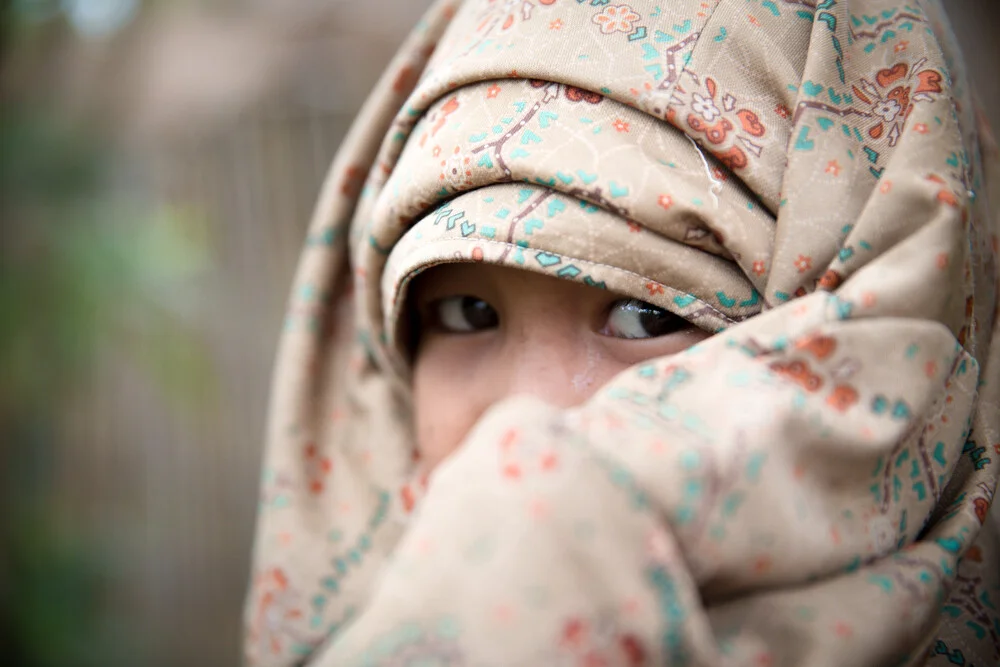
<point>812,89</point>
<point>637,34</point>
<point>725,300</point>
<point>617,190</point>
<point>529,137</point>
<point>569,271</point>
<point>804,143</point>
<point>684,301</point>
<point>556,206</point>
<point>547,259</point>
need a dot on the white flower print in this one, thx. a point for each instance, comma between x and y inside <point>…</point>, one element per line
<point>705,107</point>
<point>887,110</point>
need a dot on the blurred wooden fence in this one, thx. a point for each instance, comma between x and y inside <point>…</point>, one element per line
<point>168,488</point>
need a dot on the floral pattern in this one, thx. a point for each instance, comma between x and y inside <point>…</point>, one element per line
<point>616,18</point>
<point>820,472</point>
<point>718,119</point>
<point>892,94</point>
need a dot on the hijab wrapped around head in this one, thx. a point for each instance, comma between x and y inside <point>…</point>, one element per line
<point>810,486</point>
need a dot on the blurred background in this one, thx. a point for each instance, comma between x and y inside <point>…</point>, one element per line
<point>159,160</point>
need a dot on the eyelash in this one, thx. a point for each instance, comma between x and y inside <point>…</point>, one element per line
<point>669,322</point>
<point>446,315</point>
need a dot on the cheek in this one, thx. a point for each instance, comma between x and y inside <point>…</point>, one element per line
<point>636,351</point>
<point>446,402</point>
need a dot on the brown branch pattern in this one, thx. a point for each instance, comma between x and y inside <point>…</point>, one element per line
<point>881,27</point>
<point>673,73</point>
<point>821,106</point>
<point>551,92</point>
<point>519,216</point>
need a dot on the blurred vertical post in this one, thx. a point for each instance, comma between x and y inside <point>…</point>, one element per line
<point>160,160</point>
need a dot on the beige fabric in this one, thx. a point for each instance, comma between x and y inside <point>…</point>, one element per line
<point>810,486</point>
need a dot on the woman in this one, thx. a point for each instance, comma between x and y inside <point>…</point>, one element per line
<point>491,440</point>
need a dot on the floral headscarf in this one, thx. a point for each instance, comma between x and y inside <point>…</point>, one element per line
<point>810,486</point>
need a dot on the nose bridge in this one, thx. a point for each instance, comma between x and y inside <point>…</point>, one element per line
<point>555,364</point>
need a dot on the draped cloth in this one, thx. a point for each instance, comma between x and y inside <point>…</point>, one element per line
<point>807,180</point>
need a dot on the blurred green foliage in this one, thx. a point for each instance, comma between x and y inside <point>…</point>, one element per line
<point>88,269</point>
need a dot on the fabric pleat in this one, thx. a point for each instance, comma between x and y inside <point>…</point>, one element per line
<point>805,179</point>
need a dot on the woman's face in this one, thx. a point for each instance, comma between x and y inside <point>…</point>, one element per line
<point>487,332</point>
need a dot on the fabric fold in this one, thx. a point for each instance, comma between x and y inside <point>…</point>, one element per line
<point>810,486</point>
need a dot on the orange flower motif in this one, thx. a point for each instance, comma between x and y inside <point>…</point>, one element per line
<point>783,111</point>
<point>556,25</point>
<point>902,46</point>
<point>833,167</point>
<point>803,263</point>
<point>620,125</point>
<point>665,201</point>
<point>492,91</point>
<point>842,398</point>
<point>885,187</point>
<point>634,226</point>
<point>617,18</point>
<point>758,267</point>
<point>456,171</point>
<point>892,95</point>
<point>654,288</point>
<point>921,128</point>
<point>798,372</point>
<point>830,280</point>
<point>318,468</point>
<point>947,197</point>
<point>819,346</point>
<point>843,629</point>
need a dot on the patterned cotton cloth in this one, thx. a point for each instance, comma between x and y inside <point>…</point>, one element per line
<point>810,486</point>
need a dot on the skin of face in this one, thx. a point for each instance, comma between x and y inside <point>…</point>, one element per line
<point>551,340</point>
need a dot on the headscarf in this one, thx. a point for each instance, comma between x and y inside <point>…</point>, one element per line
<point>810,486</point>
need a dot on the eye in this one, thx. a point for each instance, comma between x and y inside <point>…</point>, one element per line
<point>633,319</point>
<point>463,314</point>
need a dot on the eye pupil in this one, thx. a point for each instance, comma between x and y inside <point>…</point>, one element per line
<point>632,318</point>
<point>462,314</point>
<point>658,322</point>
<point>478,314</point>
